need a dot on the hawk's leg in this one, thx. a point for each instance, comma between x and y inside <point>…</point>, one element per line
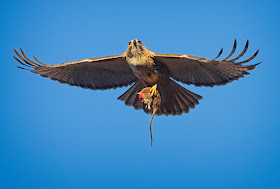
<point>153,90</point>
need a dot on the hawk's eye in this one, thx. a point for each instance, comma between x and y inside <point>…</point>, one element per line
<point>129,43</point>
<point>139,42</point>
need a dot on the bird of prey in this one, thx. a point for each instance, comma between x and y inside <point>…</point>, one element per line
<point>145,68</point>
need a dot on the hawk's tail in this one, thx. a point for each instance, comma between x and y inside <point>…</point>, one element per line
<point>175,98</point>
<point>131,97</point>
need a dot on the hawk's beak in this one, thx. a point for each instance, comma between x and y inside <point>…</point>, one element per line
<point>134,42</point>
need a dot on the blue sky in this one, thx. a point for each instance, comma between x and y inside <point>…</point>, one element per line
<point>57,136</point>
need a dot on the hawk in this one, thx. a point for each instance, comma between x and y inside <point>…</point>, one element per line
<point>145,68</point>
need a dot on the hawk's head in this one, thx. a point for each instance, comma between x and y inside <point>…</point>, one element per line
<point>135,48</point>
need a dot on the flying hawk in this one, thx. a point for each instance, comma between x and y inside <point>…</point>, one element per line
<point>145,68</point>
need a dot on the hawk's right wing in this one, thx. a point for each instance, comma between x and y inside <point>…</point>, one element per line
<point>93,73</point>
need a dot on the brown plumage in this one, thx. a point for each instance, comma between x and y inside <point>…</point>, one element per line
<point>145,68</point>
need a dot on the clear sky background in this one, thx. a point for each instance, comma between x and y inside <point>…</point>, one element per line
<point>57,136</point>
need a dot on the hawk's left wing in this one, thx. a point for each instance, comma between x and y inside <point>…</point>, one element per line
<point>204,72</point>
<point>93,73</point>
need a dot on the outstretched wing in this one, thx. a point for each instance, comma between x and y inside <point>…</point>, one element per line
<point>93,73</point>
<point>203,72</point>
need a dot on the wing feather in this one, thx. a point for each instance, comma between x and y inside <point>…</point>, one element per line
<point>204,72</point>
<point>92,73</point>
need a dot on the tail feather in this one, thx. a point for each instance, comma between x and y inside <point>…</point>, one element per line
<point>138,104</point>
<point>173,103</point>
<point>182,104</point>
<point>184,108</point>
<point>175,98</point>
<point>131,96</point>
<point>188,96</point>
<point>187,99</point>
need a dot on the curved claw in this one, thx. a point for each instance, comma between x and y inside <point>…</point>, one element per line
<point>242,53</point>
<point>232,51</point>
<point>249,59</point>
<point>221,51</point>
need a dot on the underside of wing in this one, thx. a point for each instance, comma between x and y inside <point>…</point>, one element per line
<point>94,73</point>
<point>204,72</point>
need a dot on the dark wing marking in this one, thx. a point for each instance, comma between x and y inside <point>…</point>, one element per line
<point>204,72</point>
<point>93,73</point>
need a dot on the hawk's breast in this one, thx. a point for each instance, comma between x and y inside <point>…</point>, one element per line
<point>144,69</point>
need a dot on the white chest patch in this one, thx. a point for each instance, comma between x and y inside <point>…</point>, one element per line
<point>137,61</point>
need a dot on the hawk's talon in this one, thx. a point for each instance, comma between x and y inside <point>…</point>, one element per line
<point>153,90</point>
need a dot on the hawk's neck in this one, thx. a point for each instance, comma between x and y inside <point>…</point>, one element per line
<point>143,59</point>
